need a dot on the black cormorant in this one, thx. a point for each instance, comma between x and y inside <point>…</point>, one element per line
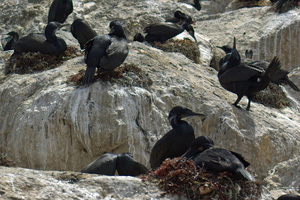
<point>11,40</point>
<point>204,154</point>
<point>281,77</point>
<point>176,141</point>
<point>180,17</point>
<point>289,197</point>
<point>82,31</point>
<point>245,79</point>
<point>46,43</point>
<point>127,166</point>
<point>105,52</point>
<point>60,10</point>
<point>197,4</point>
<point>166,30</point>
<point>105,165</point>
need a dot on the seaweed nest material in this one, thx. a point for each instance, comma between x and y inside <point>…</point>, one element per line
<point>273,96</point>
<point>6,161</point>
<point>187,47</point>
<point>126,75</point>
<point>182,177</point>
<point>30,62</point>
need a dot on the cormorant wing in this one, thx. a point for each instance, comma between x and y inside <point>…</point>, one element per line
<point>239,73</point>
<point>163,147</point>
<point>31,42</point>
<point>241,158</point>
<point>105,164</point>
<point>164,28</point>
<point>96,47</point>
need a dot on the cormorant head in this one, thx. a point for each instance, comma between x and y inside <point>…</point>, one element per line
<point>13,35</point>
<point>139,37</point>
<point>231,59</point>
<point>189,29</point>
<point>179,112</point>
<point>249,53</point>
<point>116,29</point>
<point>199,145</point>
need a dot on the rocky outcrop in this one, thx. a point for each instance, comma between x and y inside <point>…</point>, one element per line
<point>19,183</point>
<point>49,123</point>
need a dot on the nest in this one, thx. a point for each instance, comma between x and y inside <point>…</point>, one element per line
<point>187,47</point>
<point>30,62</point>
<point>6,161</point>
<point>182,177</point>
<point>253,3</point>
<point>273,96</point>
<point>126,75</point>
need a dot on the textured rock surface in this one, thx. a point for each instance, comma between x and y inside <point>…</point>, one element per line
<point>19,183</point>
<point>47,123</point>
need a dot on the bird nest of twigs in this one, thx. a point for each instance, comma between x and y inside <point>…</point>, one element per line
<point>182,177</point>
<point>6,161</point>
<point>252,3</point>
<point>273,96</point>
<point>30,62</point>
<point>187,47</point>
<point>128,74</point>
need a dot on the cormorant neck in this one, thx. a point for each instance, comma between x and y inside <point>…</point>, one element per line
<point>175,121</point>
<point>51,37</point>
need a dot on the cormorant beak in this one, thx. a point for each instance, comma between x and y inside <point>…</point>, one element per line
<point>219,47</point>
<point>189,114</point>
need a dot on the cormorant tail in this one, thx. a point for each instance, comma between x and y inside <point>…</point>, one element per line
<point>244,173</point>
<point>89,75</point>
<point>273,67</point>
<point>292,85</point>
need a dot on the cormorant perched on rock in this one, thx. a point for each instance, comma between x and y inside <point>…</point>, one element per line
<point>105,165</point>
<point>60,10</point>
<point>166,30</point>
<point>176,141</point>
<point>108,163</point>
<point>245,79</point>
<point>82,31</point>
<point>46,43</point>
<point>12,39</point>
<point>105,52</point>
<point>180,17</point>
<point>289,197</point>
<point>127,166</point>
<point>281,77</point>
<point>204,154</point>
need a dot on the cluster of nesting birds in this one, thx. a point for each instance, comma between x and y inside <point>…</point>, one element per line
<point>107,52</point>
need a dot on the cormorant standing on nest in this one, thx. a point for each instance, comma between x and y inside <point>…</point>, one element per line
<point>46,43</point>
<point>12,40</point>
<point>204,154</point>
<point>105,52</point>
<point>177,141</point>
<point>281,77</point>
<point>60,10</point>
<point>166,30</point>
<point>245,79</point>
<point>82,31</point>
<point>127,166</point>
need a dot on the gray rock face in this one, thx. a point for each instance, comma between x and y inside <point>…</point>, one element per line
<point>47,123</point>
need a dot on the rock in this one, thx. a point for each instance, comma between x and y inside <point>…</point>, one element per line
<point>19,183</point>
